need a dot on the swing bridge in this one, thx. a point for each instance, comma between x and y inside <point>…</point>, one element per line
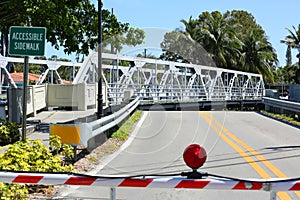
<point>165,81</point>
<point>152,81</point>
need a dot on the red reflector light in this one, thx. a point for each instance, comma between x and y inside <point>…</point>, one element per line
<point>194,156</point>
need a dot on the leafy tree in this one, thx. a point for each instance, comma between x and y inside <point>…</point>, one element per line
<point>180,47</point>
<point>35,69</point>
<point>132,37</point>
<point>69,28</point>
<point>257,54</point>
<point>286,74</point>
<point>242,21</point>
<point>40,58</point>
<point>171,49</point>
<point>75,28</point>
<point>293,41</point>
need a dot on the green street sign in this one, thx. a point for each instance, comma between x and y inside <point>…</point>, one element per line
<point>27,41</point>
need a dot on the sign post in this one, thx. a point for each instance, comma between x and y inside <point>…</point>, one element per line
<point>24,99</point>
<point>26,41</point>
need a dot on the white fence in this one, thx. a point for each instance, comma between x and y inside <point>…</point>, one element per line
<point>36,100</point>
<point>77,96</point>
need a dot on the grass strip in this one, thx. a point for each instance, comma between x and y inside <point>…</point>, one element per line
<point>283,117</point>
<point>124,130</point>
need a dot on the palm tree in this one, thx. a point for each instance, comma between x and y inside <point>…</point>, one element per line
<point>293,40</point>
<point>258,55</point>
<point>234,40</point>
<point>190,26</point>
<point>288,55</point>
<point>219,39</point>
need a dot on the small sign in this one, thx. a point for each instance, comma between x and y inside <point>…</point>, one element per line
<point>27,41</point>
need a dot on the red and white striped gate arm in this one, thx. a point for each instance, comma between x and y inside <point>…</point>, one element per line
<point>149,182</point>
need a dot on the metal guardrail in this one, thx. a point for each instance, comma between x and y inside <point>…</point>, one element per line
<point>283,104</point>
<point>114,119</point>
<point>81,133</point>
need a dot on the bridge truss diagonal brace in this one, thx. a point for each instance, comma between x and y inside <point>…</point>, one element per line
<point>3,64</point>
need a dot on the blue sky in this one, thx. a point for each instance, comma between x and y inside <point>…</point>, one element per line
<point>273,16</point>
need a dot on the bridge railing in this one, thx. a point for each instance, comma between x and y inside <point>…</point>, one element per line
<point>160,93</point>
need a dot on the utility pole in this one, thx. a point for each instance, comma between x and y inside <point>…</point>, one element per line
<point>100,96</point>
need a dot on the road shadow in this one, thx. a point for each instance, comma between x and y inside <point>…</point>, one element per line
<point>282,147</point>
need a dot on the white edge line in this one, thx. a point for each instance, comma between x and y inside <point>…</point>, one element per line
<point>70,189</point>
<point>131,137</point>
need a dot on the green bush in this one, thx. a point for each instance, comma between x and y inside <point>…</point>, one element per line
<point>33,156</point>
<point>9,132</point>
<point>56,147</point>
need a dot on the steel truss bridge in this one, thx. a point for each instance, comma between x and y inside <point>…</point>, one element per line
<point>166,81</point>
<point>156,80</point>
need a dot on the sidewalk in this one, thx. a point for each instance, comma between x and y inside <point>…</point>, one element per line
<point>43,120</point>
<point>60,116</point>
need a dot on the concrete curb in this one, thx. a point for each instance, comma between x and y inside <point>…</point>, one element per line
<point>29,130</point>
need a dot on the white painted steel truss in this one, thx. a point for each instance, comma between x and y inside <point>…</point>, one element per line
<point>52,67</point>
<point>158,80</point>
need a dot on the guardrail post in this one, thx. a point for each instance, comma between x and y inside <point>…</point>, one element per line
<point>273,195</point>
<point>75,153</point>
<point>113,193</point>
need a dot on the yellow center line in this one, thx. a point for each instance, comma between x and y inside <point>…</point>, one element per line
<point>260,157</point>
<point>210,119</point>
<point>250,160</point>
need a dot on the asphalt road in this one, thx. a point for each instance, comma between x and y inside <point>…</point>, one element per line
<point>238,144</point>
